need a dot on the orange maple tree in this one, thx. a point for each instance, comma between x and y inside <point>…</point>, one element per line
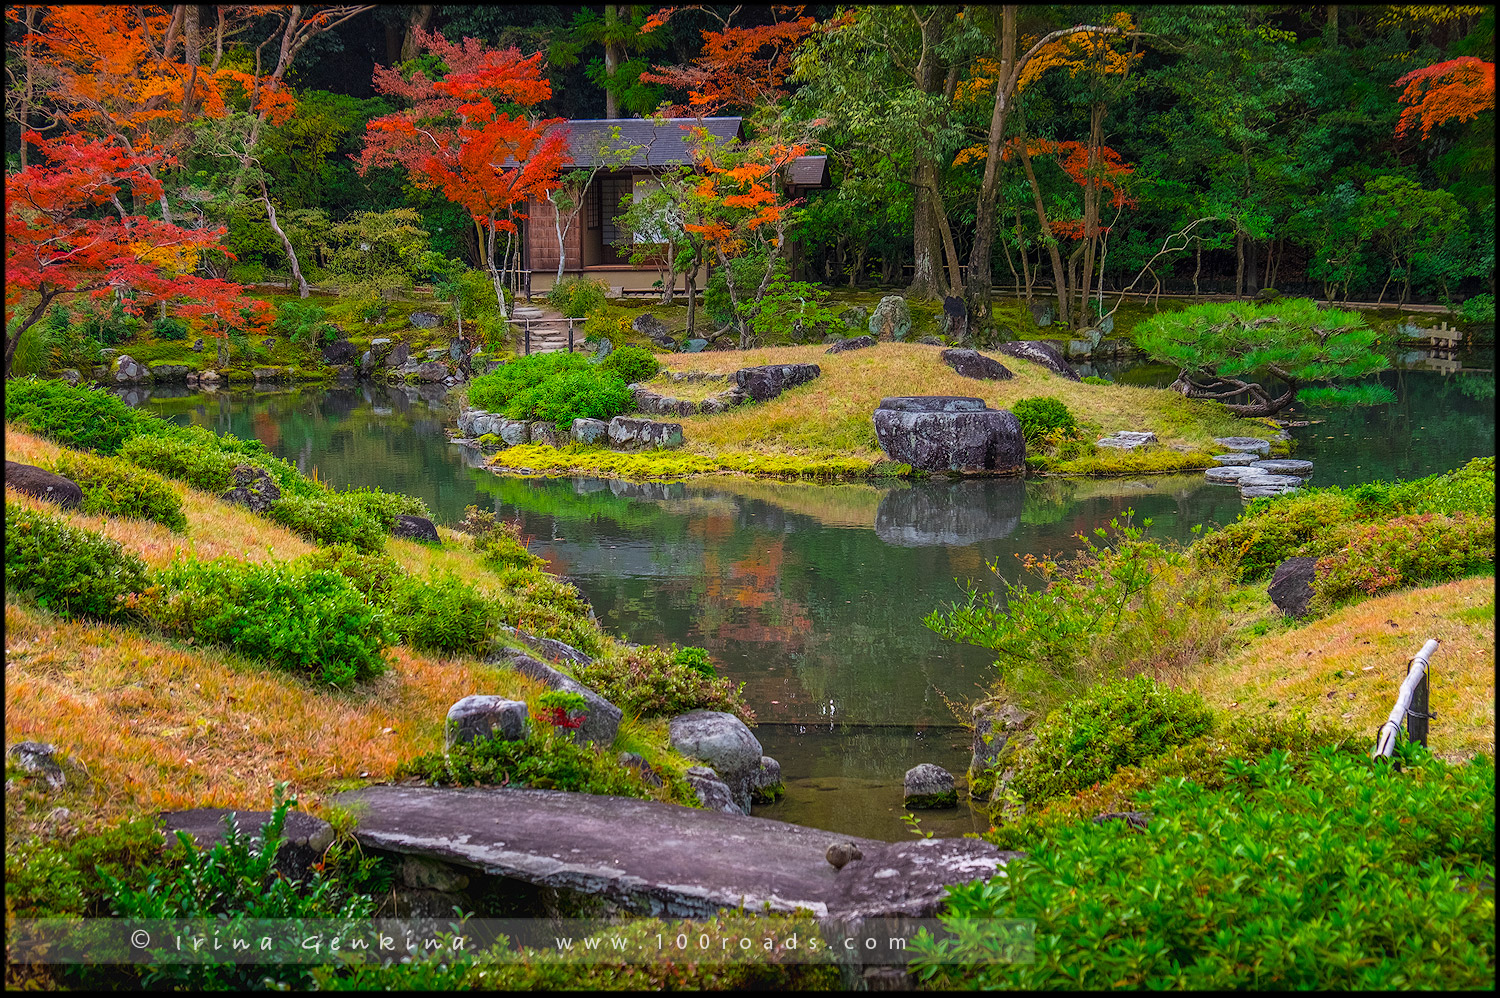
<point>741,68</point>
<point>455,138</point>
<point>1107,174</point>
<point>1456,90</point>
<point>67,234</point>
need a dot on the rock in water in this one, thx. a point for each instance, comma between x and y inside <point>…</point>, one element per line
<point>1237,459</point>
<point>1291,586</point>
<point>339,352</point>
<point>841,854</point>
<point>1284,466</point>
<point>712,792</point>
<point>478,717</point>
<point>723,742</point>
<point>928,786</point>
<point>891,319</point>
<point>33,481</point>
<point>1245,444</point>
<point>1230,474</point>
<point>626,433</point>
<point>973,364</point>
<point>1039,352</point>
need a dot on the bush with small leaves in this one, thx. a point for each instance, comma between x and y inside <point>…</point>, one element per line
<point>75,416</point>
<point>72,572</point>
<point>443,614</point>
<point>170,328</point>
<point>201,467</point>
<point>631,364</point>
<point>115,487</point>
<point>649,681</point>
<point>305,620</point>
<point>328,520</point>
<point>1043,415</point>
<point>1424,549</point>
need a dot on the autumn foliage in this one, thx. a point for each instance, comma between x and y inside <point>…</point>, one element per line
<point>67,233</point>
<point>1456,90</point>
<point>737,68</point>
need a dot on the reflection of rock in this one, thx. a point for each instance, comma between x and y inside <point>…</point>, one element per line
<point>654,491</point>
<point>959,513</point>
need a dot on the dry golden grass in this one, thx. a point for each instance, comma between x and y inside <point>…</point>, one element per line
<point>832,414</point>
<point>215,529</point>
<point>160,726</point>
<point>1346,668</point>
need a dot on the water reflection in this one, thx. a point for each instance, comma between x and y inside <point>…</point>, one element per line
<point>950,513</point>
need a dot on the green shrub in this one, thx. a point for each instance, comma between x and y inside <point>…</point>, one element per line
<point>631,364</point>
<point>53,878</point>
<point>546,759</point>
<point>304,620</point>
<point>328,521</point>
<point>1328,874</point>
<point>500,544</point>
<point>112,486</point>
<point>374,575</point>
<point>69,571</point>
<point>170,328</point>
<point>110,326</point>
<point>1043,415</point>
<point>588,394</point>
<point>794,311</point>
<point>696,659</point>
<point>382,507</point>
<point>1094,379</point>
<point>649,681</point>
<point>445,614</point>
<point>302,322</point>
<point>197,465</point>
<point>493,391</point>
<point>78,417</point>
<point>1115,724</point>
<point>578,296</point>
<point>1425,549</point>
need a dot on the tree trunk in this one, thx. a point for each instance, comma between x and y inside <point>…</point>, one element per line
<point>1239,265</point>
<point>12,339</point>
<point>925,248</point>
<point>286,244</point>
<point>955,280</point>
<point>1252,266</point>
<point>612,62</point>
<point>420,17</point>
<point>1198,268</point>
<point>495,277</point>
<point>692,296</point>
<point>977,288</point>
<point>192,58</point>
<point>1059,275</point>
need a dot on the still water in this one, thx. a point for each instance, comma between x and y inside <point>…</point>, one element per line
<point>813,596</point>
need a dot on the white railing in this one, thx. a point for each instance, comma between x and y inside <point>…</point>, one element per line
<point>1411,705</point>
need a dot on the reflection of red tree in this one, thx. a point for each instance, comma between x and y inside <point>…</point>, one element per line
<point>746,597</point>
<point>266,430</point>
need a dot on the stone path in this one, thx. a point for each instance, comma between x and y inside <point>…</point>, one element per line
<point>663,859</point>
<point>549,329</point>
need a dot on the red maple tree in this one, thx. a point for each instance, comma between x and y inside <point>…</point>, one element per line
<point>737,67</point>
<point>1106,174</point>
<point>456,139</point>
<point>1456,90</point>
<point>67,233</point>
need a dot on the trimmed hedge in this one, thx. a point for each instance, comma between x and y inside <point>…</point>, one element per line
<point>69,571</point>
<point>187,461</point>
<point>115,487</point>
<point>78,417</point>
<point>328,520</point>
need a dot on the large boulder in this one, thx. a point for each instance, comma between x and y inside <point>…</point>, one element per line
<point>999,727</point>
<point>39,758</point>
<point>416,528</point>
<point>426,320</point>
<point>551,649</point>
<point>954,322</point>
<point>723,742</point>
<point>1042,313</point>
<point>431,371</point>
<point>399,354</point>
<point>1291,585</point>
<point>947,434</point>
<point>304,838</point>
<point>1128,440</point>
<point>125,369</point>
<point>973,364</point>
<point>1039,352</point>
<point>852,343</point>
<point>651,327</point>
<point>170,373</point>
<point>627,433</point>
<point>339,352</point>
<point>513,432</point>
<point>765,783</point>
<point>601,719</point>
<point>544,432</point>
<point>928,785</point>
<point>42,484</point>
<point>589,431</point>
<point>253,487</point>
<point>855,317</point>
<point>765,383</point>
<point>479,717</point>
<point>891,319</point>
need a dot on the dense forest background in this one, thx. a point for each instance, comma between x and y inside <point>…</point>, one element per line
<point>1264,145</point>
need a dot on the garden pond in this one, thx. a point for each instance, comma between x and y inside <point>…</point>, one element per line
<point>813,596</point>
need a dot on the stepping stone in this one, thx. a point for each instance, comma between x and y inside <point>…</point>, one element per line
<point>1236,458</point>
<point>1128,439</point>
<point>1255,444</point>
<point>1230,474</point>
<point>1261,479</point>
<point>1285,466</point>
<point>1262,491</point>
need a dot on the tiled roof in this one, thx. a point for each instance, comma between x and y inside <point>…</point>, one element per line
<point>807,171</point>
<point>662,140</point>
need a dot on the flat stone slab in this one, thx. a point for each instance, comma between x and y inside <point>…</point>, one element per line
<point>1230,474</point>
<point>1233,459</point>
<point>1254,444</point>
<point>1128,439</point>
<point>1262,480</point>
<point>1285,466</point>
<point>1264,491</point>
<point>932,403</point>
<point>659,859</point>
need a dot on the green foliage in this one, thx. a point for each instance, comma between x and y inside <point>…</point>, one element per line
<point>170,328</point>
<point>578,296</point>
<point>696,659</point>
<point>1346,397</point>
<point>303,322</point>
<point>631,364</point>
<point>56,878</point>
<point>376,576</point>
<point>1094,379</point>
<point>1479,308</point>
<point>444,614</point>
<point>382,507</point>
<point>499,542</point>
<point>188,461</point>
<point>1323,873</point>
<point>1316,522</point>
<point>545,759</point>
<point>1418,549</point>
<point>1041,416</point>
<point>110,325</point>
<point>328,521</point>
<point>302,619</point>
<point>794,311</point>
<point>69,571</point>
<point>80,417</point>
<point>112,486</point>
<point>1218,346</point>
<point>649,681</point>
<point>557,387</point>
<point>1114,724</point>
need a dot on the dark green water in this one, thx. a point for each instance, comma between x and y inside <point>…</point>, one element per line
<point>813,596</point>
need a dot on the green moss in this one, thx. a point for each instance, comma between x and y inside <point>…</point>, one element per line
<point>534,459</point>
